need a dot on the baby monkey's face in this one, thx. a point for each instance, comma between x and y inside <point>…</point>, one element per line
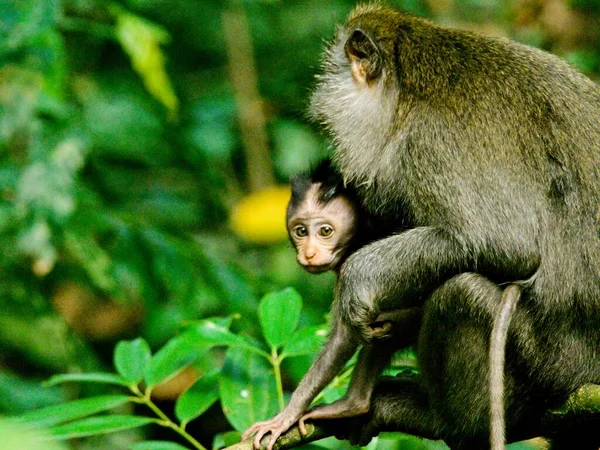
<point>322,232</point>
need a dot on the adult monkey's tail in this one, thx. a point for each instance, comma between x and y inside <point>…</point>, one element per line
<point>508,304</point>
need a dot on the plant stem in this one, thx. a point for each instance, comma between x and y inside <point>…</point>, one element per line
<point>276,361</point>
<point>184,434</point>
<point>262,353</point>
<point>145,399</point>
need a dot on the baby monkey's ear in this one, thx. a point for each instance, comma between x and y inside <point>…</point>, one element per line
<point>364,57</point>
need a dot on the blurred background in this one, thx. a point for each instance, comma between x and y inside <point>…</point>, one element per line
<point>145,150</point>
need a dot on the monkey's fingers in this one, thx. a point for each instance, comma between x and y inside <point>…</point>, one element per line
<point>389,316</point>
<point>276,426</point>
<point>380,329</point>
<point>246,434</point>
<point>254,428</point>
<point>275,433</point>
<point>274,436</point>
<point>337,410</point>
<point>258,437</point>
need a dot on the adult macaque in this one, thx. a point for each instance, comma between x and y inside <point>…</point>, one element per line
<point>491,150</point>
<point>326,223</point>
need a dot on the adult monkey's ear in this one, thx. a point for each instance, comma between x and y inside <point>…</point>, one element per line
<point>364,56</point>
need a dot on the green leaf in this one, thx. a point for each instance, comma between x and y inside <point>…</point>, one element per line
<point>132,358</point>
<point>332,393</point>
<point>15,435</point>
<point>172,357</point>
<point>214,333</point>
<point>224,322</point>
<point>198,398</point>
<point>107,378</point>
<point>247,389</point>
<point>525,446</point>
<point>98,425</point>
<point>141,40</point>
<point>279,313</point>
<point>77,409</point>
<point>156,445</point>
<point>226,439</point>
<point>305,341</point>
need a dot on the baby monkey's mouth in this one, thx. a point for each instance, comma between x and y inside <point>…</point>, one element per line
<point>313,268</point>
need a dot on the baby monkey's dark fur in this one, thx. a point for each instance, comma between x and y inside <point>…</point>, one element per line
<point>349,224</point>
<point>488,150</point>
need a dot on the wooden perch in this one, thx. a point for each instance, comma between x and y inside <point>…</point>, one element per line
<point>292,438</point>
<point>583,402</point>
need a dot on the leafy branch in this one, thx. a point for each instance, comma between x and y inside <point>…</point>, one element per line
<point>248,375</point>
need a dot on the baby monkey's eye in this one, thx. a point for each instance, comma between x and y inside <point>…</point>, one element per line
<point>325,231</point>
<point>300,231</point>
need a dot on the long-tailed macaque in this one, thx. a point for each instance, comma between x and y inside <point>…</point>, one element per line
<point>326,223</point>
<point>489,151</point>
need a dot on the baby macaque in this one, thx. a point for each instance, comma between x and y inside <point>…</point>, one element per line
<point>324,220</point>
<point>326,223</point>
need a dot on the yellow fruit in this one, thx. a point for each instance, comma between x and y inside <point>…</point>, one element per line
<point>260,217</point>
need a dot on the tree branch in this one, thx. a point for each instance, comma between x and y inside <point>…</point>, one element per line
<point>583,402</point>
<point>251,115</point>
<point>292,438</point>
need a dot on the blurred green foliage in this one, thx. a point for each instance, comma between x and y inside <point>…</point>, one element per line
<point>121,157</point>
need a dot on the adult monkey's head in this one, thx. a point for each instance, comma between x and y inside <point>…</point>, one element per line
<point>356,98</point>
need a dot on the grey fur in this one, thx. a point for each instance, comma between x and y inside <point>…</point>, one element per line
<point>492,150</point>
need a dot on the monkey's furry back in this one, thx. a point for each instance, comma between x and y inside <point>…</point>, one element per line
<point>536,110</point>
<point>493,142</point>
